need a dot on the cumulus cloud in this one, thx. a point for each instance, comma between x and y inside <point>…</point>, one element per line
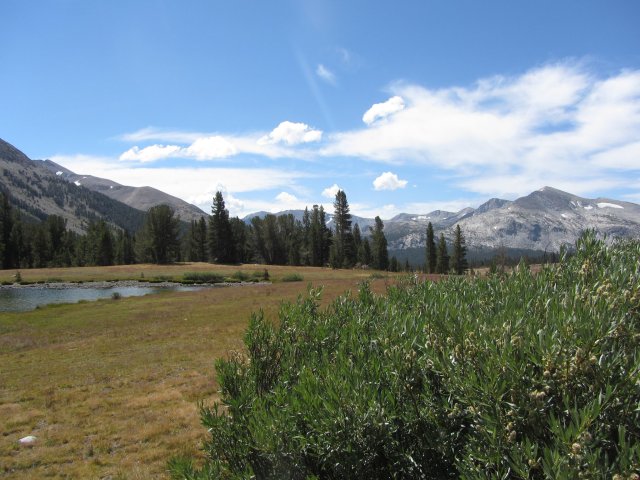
<point>208,148</point>
<point>389,181</point>
<point>325,74</point>
<point>560,124</point>
<point>382,110</point>
<point>330,192</point>
<point>149,154</point>
<point>291,133</point>
<point>195,185</point>
<point>285,197</point>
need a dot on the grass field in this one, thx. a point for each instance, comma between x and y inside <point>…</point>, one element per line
<point>110,388</point>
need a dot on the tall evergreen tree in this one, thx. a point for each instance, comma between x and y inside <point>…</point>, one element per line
<point>124,248</point>
<point>221,248</point>
<point>380,253</point>
<point>319,237</point>
<point>430,250</point>
<point>240,237</point>
<point>459,257</point>
<point>366,252</point>
<point>393,264</point>
<point>197,250</point>
<point>159,241</point>
<point>343,252</point>
<point>442,259</point>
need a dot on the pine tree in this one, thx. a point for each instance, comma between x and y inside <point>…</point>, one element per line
<point>197,241</point>
<point>442,259</point>
<point>380,252</point>
<point>220,238</point>
<point>430,250</point>
<point>393,264</point>
<point>357,243</point>
<point>159,240</point>
<point>459,257</point>
<point>343,252</point>
<point>240,239</point>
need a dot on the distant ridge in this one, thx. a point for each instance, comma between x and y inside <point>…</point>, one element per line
<point>141,198</point>
<point>544,220</point>
<point>38,193</point>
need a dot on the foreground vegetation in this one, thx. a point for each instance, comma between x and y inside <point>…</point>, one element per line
<point>110,388</point>
<point>513,377</point>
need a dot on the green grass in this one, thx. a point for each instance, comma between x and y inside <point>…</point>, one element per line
<point>518,376</point>
<point>203,277</point>
<point>111,388</point>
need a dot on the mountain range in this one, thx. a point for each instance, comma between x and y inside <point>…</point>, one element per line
<point>140,198</point>
<point>543,221</point>
<point>39,188</point>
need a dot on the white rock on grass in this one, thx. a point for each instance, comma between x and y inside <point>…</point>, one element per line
<point>28,440</point>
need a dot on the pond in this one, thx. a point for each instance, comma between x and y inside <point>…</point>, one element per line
<point>22,299</point>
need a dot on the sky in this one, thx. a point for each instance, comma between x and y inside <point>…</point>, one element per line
<point>407,106</point>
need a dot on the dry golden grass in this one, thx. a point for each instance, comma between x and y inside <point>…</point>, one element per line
<point>176,272</point>
<point>110,388</point>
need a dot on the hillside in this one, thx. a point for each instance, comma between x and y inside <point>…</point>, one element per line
<point>38,193</point>
<point>544,220</point>
<point>140,198</point>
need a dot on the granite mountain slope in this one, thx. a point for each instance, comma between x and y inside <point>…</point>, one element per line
<point>141,198</point>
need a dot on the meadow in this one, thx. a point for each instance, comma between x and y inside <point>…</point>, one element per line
<point>110,388</point>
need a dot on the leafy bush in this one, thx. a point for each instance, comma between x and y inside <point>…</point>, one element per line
<point>203,277</point>
<point>241,276</point>
<point>516,377</point>
<point>292,277</point>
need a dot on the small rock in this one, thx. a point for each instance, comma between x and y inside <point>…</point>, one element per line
<point>28,440</point>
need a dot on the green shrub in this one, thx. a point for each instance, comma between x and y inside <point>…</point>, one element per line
<point>241,276</point>
<point>292,277</point>
<point>203,277</point>
<point>261,275</point>
<point>519,376</point>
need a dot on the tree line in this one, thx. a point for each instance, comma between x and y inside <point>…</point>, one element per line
<point>438,259</point>
<point>316,240</point>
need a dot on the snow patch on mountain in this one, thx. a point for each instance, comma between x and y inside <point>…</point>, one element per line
<point>609,205</point>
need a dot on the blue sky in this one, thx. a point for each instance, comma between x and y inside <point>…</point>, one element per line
<point>408,106</point>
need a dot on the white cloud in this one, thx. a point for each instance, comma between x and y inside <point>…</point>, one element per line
<point>382,110</point>
<point>558,124</point>
<point>150,154</point>
<point>285,197</point>
<point>325,74</point>
<point>195,185</point>
<point>208,148</point>
<point>291,133</point>
<point>389,181</point>
<point>152,134</point>
<point>330,192</point>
